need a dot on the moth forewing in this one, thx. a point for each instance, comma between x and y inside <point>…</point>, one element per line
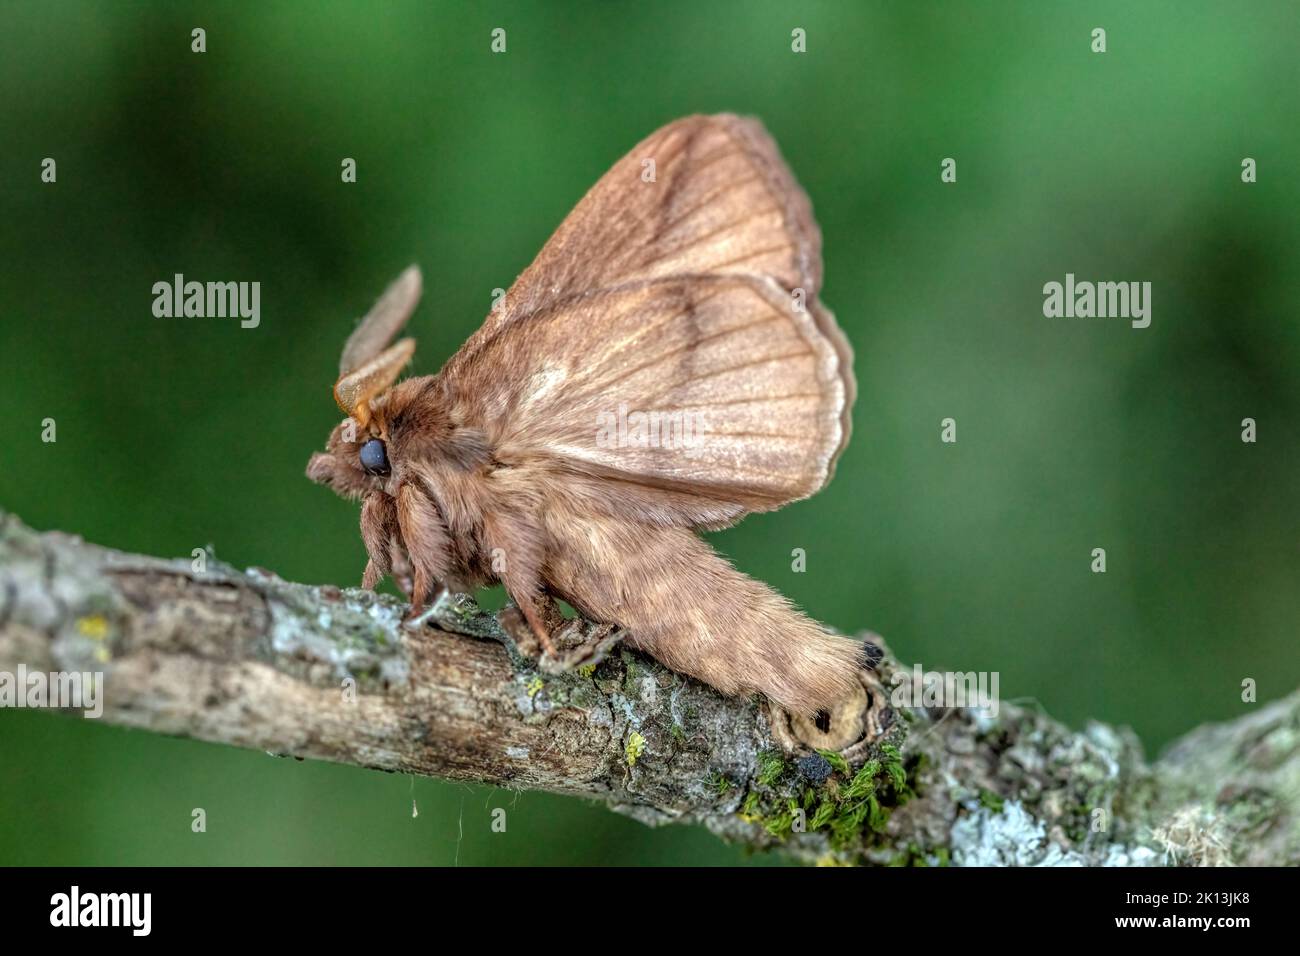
<point>711,383</point>
<point>723,202</point>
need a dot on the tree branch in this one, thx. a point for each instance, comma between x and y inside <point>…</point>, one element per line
<point>251,660</point>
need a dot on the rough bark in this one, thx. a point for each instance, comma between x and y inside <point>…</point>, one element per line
<point>254,661</point>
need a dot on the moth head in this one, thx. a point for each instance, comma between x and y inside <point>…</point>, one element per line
<point>356,457</point>
<point>406,424</point>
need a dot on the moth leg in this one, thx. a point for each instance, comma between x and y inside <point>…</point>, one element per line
<point>401,571</point>
<point>517,560</point>
<point>583,643</point>
<point>378,524</point>
<point>573,643</point>
<point>513,623</point>
<point>529,607</point>
<point>579,640</point>
<point>519,625</point>
<point>427,544</point>
<point>372,576</point>
<point>549,609</point>
<point>382,534</point>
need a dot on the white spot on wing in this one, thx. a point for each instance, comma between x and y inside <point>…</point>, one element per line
<point>542,383</point>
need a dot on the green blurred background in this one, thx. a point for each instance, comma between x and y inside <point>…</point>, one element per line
<point>1072,434</point>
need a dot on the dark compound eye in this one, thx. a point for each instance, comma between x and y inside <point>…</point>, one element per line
<point>374,458</point>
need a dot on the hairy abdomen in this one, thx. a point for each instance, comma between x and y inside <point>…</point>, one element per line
<point>688,607</point>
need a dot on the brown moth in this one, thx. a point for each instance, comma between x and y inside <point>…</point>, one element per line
<point>663,368</point>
